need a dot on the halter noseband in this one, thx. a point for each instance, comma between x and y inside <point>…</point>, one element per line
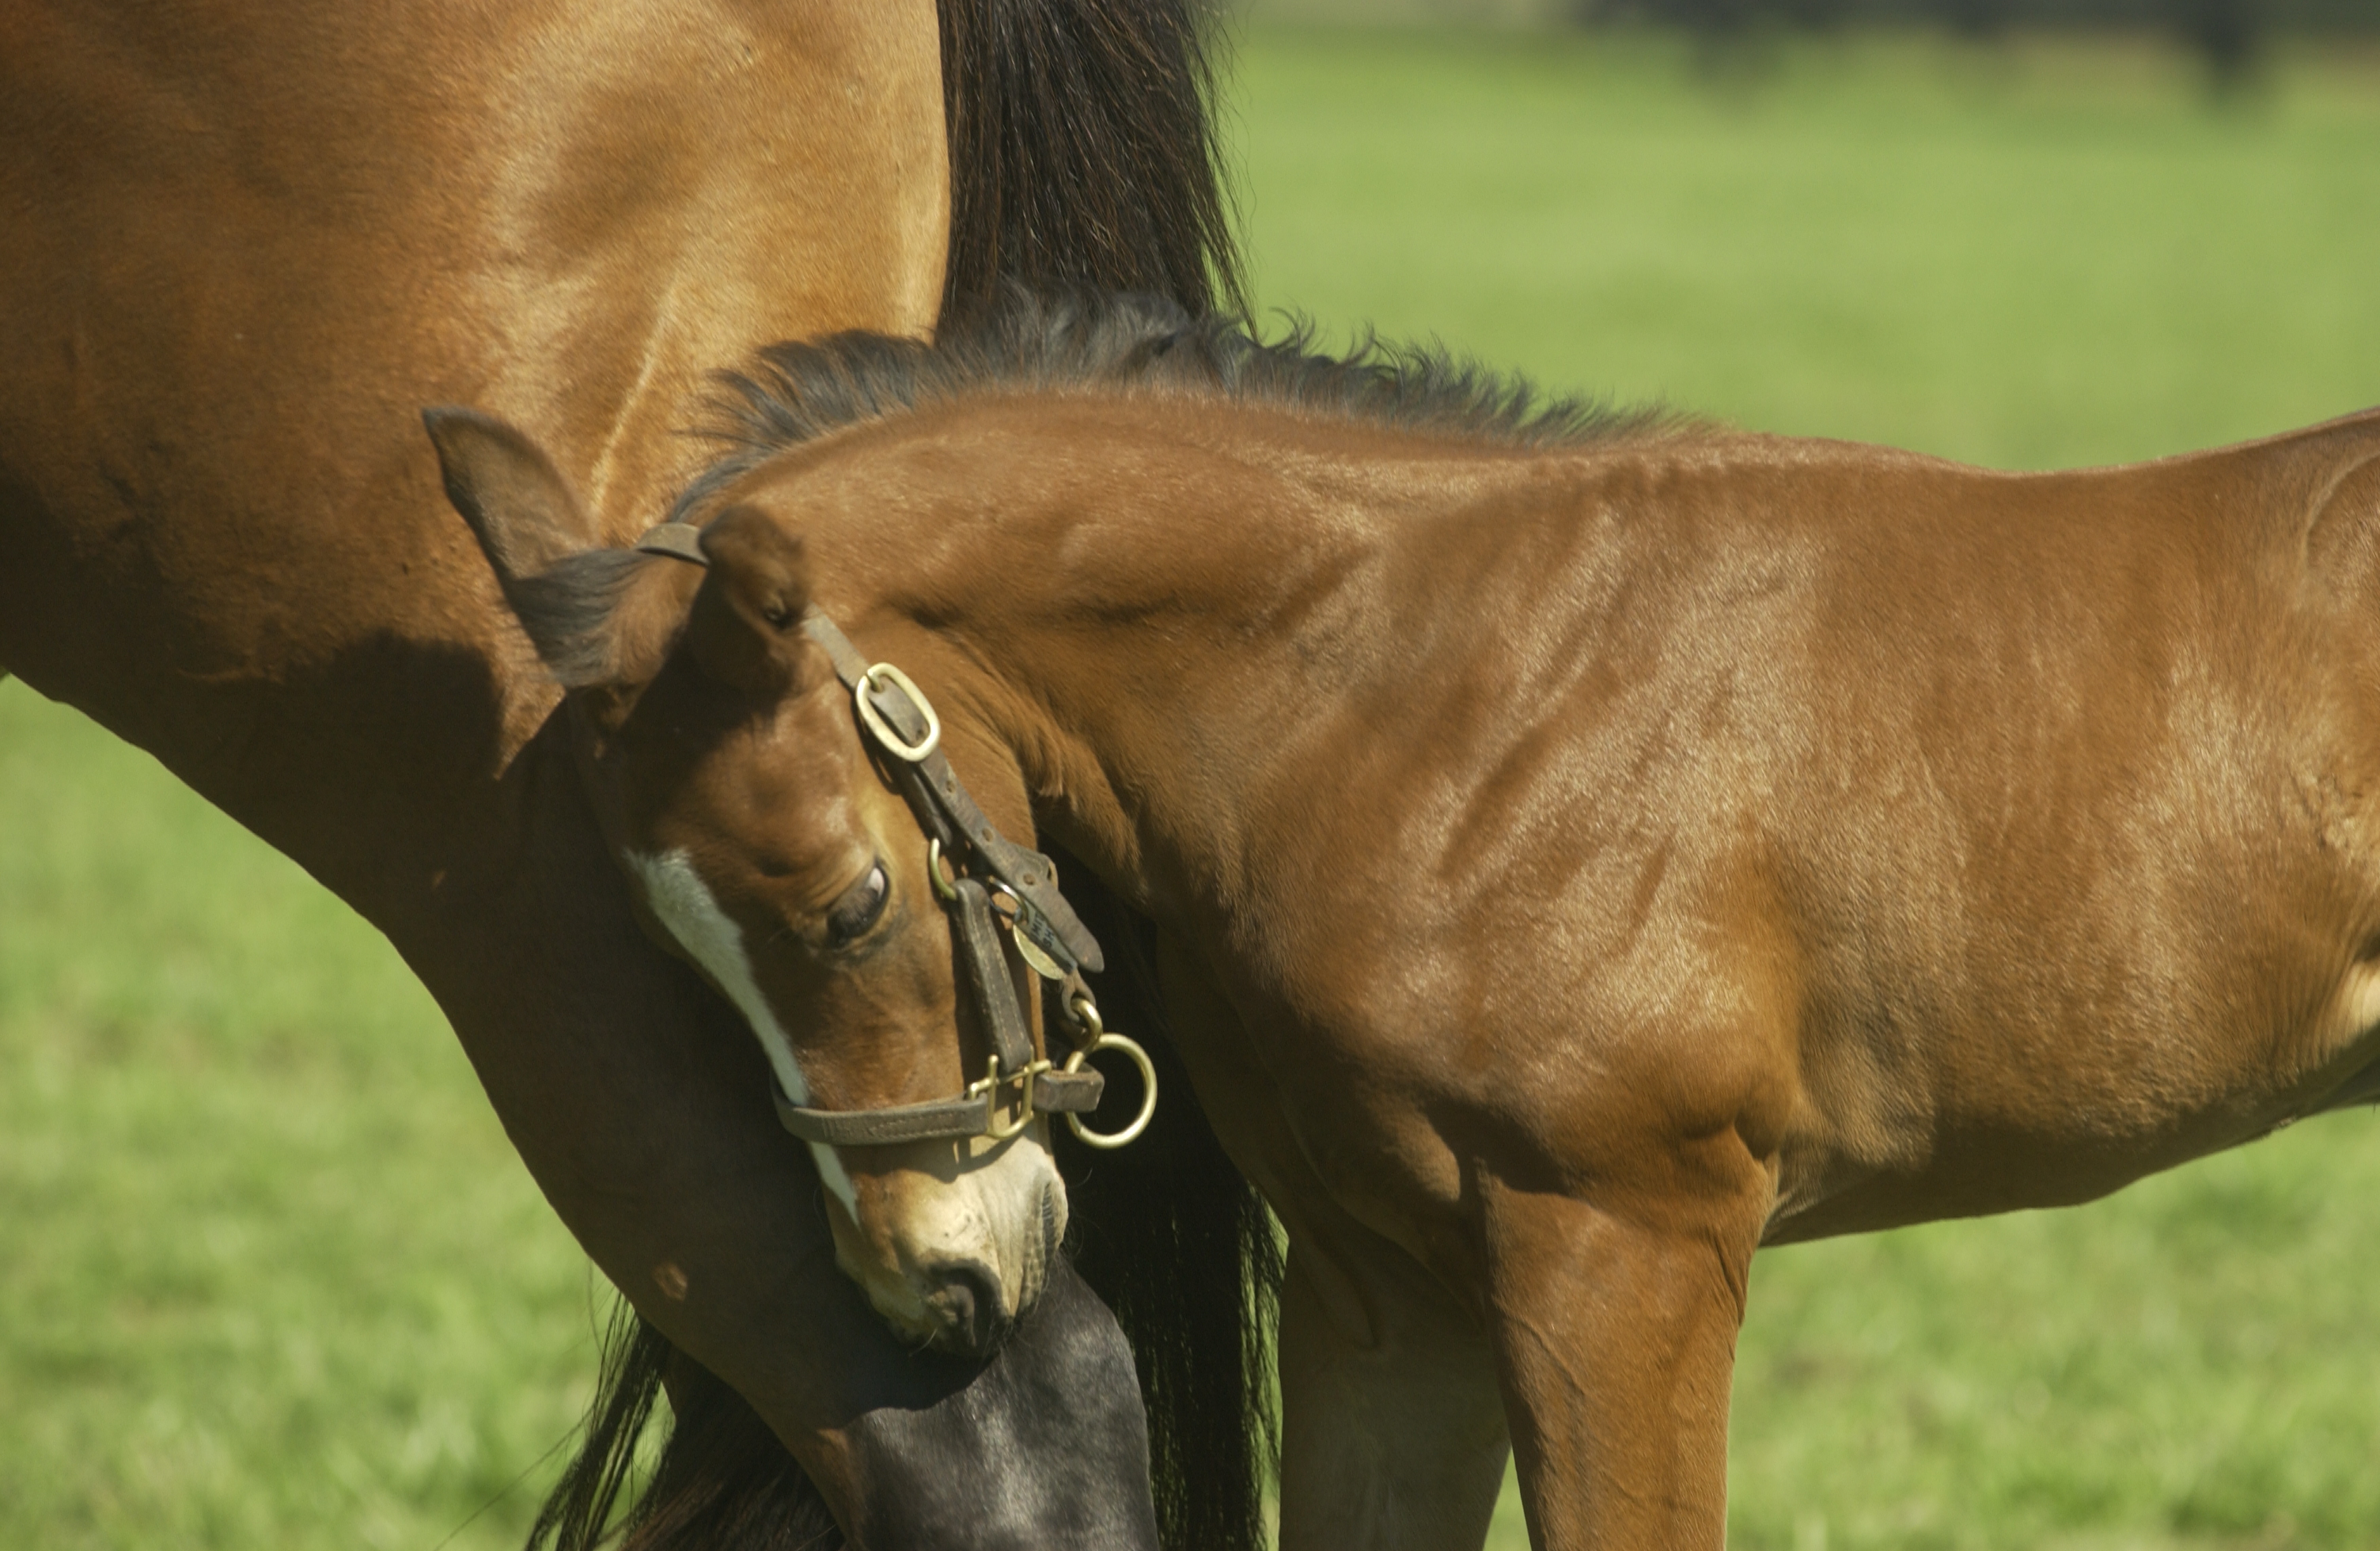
<point>995,883</point>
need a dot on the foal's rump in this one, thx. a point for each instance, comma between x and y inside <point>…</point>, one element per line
<point>2073,820</point>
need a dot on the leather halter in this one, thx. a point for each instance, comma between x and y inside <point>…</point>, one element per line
<point>995,884</point>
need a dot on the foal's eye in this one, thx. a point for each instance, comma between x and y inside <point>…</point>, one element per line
<point>858,910</point>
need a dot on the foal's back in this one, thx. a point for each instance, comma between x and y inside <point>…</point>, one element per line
<point>2015,829</point>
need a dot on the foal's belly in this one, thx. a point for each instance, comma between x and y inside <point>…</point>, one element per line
<point>2238,1084</point>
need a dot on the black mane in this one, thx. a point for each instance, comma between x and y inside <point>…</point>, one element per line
<point>797,392</point>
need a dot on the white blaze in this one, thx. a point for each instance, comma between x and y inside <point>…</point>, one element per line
<point>675,894</point>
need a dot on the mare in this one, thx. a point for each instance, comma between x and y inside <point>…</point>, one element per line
<point>1582,847</point>
<point>244,244</point>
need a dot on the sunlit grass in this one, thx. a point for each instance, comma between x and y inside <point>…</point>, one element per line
<point>2047,255</point>
<point>269,1274</point>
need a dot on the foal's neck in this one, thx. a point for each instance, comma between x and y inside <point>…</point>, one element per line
<point>1186,620</point>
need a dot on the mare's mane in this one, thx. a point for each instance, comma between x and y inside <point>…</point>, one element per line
<point>1085,340</point>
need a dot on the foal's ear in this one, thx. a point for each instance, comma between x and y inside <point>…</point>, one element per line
<point>745,626</point>
<point>575,596</point>
<point>509,492</point>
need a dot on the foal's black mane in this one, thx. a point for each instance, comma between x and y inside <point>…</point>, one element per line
<point>1129,342</point>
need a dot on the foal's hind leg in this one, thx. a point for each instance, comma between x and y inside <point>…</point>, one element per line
<point>1615,1334</point>
<point>1392,1431</point>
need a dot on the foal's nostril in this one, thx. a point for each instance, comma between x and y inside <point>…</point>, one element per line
<point>965,1299</point>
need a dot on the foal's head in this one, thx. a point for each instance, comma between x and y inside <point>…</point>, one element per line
<point>764,845</point>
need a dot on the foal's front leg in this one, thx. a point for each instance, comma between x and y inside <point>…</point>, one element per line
<point>1615,1331</point>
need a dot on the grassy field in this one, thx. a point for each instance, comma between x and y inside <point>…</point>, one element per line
<point>269,1274</point>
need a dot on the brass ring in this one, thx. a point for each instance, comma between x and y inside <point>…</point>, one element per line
<point>894,744</point>
<point>1104,1041</point>
<point>942,889</point>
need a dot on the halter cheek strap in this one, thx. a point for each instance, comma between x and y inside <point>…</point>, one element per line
<point>997,883</point>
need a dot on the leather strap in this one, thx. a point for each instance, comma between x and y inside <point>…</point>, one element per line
<point>987,963</point>
<point>679,540</point>
<point>1076,1092</point>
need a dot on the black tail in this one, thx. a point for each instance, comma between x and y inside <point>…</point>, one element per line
<point>1082,154</point>
<point>722,1480</point>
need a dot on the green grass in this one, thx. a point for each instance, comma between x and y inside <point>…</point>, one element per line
<point>2047,255</point>
<point>2042,256</point>
<point>271,1275</point>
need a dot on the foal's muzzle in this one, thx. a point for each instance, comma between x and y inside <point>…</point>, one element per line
<point>964,1300</point>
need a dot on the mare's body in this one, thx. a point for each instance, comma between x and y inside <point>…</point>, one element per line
<point>1581,856</point>
<point>244,245</point>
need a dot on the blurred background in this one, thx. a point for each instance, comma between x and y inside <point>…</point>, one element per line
<point>2229,38</point>
<point>271,1275</point>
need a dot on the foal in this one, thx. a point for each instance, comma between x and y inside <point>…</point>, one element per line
<point>1585,847</point>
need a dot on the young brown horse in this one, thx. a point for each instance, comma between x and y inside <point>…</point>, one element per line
<point>244,242</point>
<point>1585,847</point>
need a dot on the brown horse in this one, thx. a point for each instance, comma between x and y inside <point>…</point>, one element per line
<point>1585,847</point>
<point>243,243</point>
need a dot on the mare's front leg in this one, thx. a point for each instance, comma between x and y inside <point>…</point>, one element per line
<point>1392,1431</point>
<point>1615,1318</point>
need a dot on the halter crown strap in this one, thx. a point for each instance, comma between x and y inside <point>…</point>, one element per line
<point>679,540</point>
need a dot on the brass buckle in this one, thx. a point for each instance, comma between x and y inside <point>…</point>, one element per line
<point>894,743</point>
<point>988,1087</point>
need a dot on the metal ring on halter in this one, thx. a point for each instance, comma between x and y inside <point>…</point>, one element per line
<point>1088,1013</point>
<point>942,889</point>
<point>893,742</point>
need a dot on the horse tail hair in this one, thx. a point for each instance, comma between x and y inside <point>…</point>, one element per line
<point>1180,1247</point>
<point>721,1479</point>
<point>1082,152</point>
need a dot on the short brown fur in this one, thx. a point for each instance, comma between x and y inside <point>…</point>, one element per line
<point>1577,865</point>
